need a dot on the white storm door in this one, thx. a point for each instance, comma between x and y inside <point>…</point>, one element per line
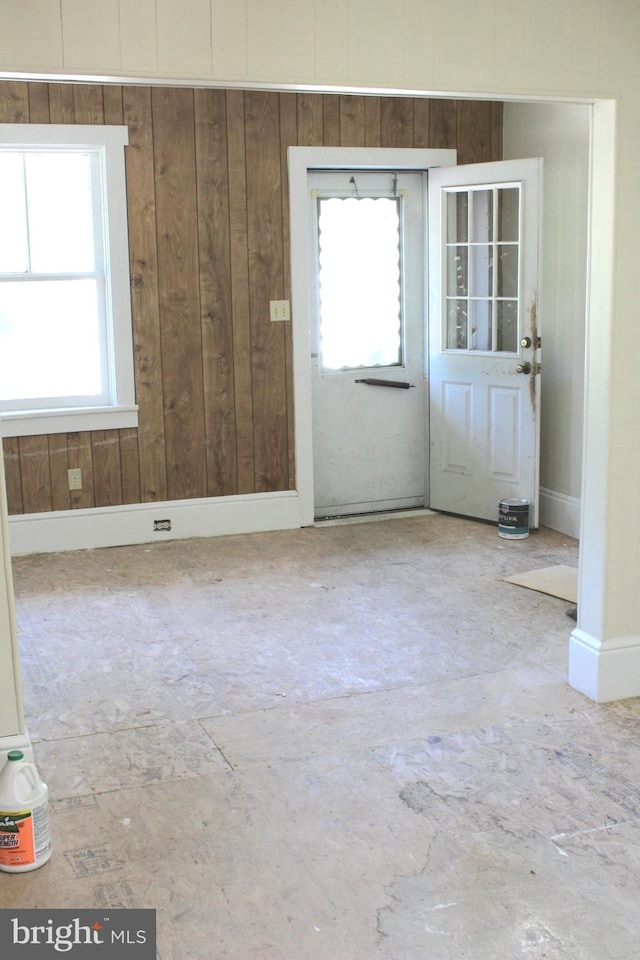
<point>367,336</point>
<point>484,392</point>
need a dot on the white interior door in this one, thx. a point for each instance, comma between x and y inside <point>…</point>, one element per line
<point>484,348</point>
<point>367,340</point>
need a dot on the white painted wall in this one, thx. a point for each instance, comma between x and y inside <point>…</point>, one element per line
<point>518,49</point>
<point>507,46</point>
<point>559,132</point>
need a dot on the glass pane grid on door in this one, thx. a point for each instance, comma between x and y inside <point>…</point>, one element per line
<point>482,269</point>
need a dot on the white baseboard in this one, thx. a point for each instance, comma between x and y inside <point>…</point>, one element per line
<point>558,511</point>
<point>134,523</point>
<point>604,671</point>
<point>208,517</point>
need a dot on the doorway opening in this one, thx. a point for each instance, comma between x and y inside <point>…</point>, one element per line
<point>372,449</point>
<point>367,340</point>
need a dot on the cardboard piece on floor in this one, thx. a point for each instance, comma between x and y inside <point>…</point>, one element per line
<point>559,581</point>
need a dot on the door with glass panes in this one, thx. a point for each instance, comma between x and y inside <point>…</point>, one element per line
<point>400,419</point>
<point>367,332</point>
<point>484,338</point>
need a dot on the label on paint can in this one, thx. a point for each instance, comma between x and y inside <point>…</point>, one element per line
<point>513,519</point>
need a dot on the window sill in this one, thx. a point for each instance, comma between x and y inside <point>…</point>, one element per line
<point>30,423</point>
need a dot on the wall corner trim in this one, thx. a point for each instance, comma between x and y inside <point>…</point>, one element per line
<point>604,670</point>
<point>134,523</point>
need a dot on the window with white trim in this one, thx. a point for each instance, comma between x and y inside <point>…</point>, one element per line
<point>66,350</point>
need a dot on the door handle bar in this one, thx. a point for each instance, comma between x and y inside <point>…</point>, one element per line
<point>376,382</point>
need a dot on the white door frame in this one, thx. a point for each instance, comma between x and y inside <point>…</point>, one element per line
<point>301,160</point>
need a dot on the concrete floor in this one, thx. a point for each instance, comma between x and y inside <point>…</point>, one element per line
<point>341,743</point>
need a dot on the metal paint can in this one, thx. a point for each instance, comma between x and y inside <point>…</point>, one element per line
<point>513,519</point>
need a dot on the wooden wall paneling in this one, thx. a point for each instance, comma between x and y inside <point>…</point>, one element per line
<point>352,121</point>
<point>264,222</point>
<point>214,248</point>
<point>372,122</point>
<point>288,125</point>
<point>288,136</point>
<point>14,102</point>
<point>143,260</point>
<point>330,120</point>
<point>421,132</point>
<point>107,472</point>
<point>396,116</point>
<point>206,263</point>
<point>130,465</point>
<point>442,124</point>
<point>34,472</point>
<point>179,298</point>
<point>38,102</point>
<point>81,455</point>
<point>112,99</point>
<point>58,466</point>
<point>61,105</point>
<point>88,103</point>
<point>474,131</point>
<point>497,119</point>
<point>310,120</point>
<point>12,474</point>
<point>240,290</point>
<point>128,454</point>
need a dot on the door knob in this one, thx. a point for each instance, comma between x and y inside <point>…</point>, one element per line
<point>524,367</point>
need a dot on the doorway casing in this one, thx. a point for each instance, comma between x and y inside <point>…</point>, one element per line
<point>301,160</point>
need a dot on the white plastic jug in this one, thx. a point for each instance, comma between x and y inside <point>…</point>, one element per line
<point>25,840</point>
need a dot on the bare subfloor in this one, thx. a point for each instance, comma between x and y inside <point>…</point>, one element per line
<point>353,742</point>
